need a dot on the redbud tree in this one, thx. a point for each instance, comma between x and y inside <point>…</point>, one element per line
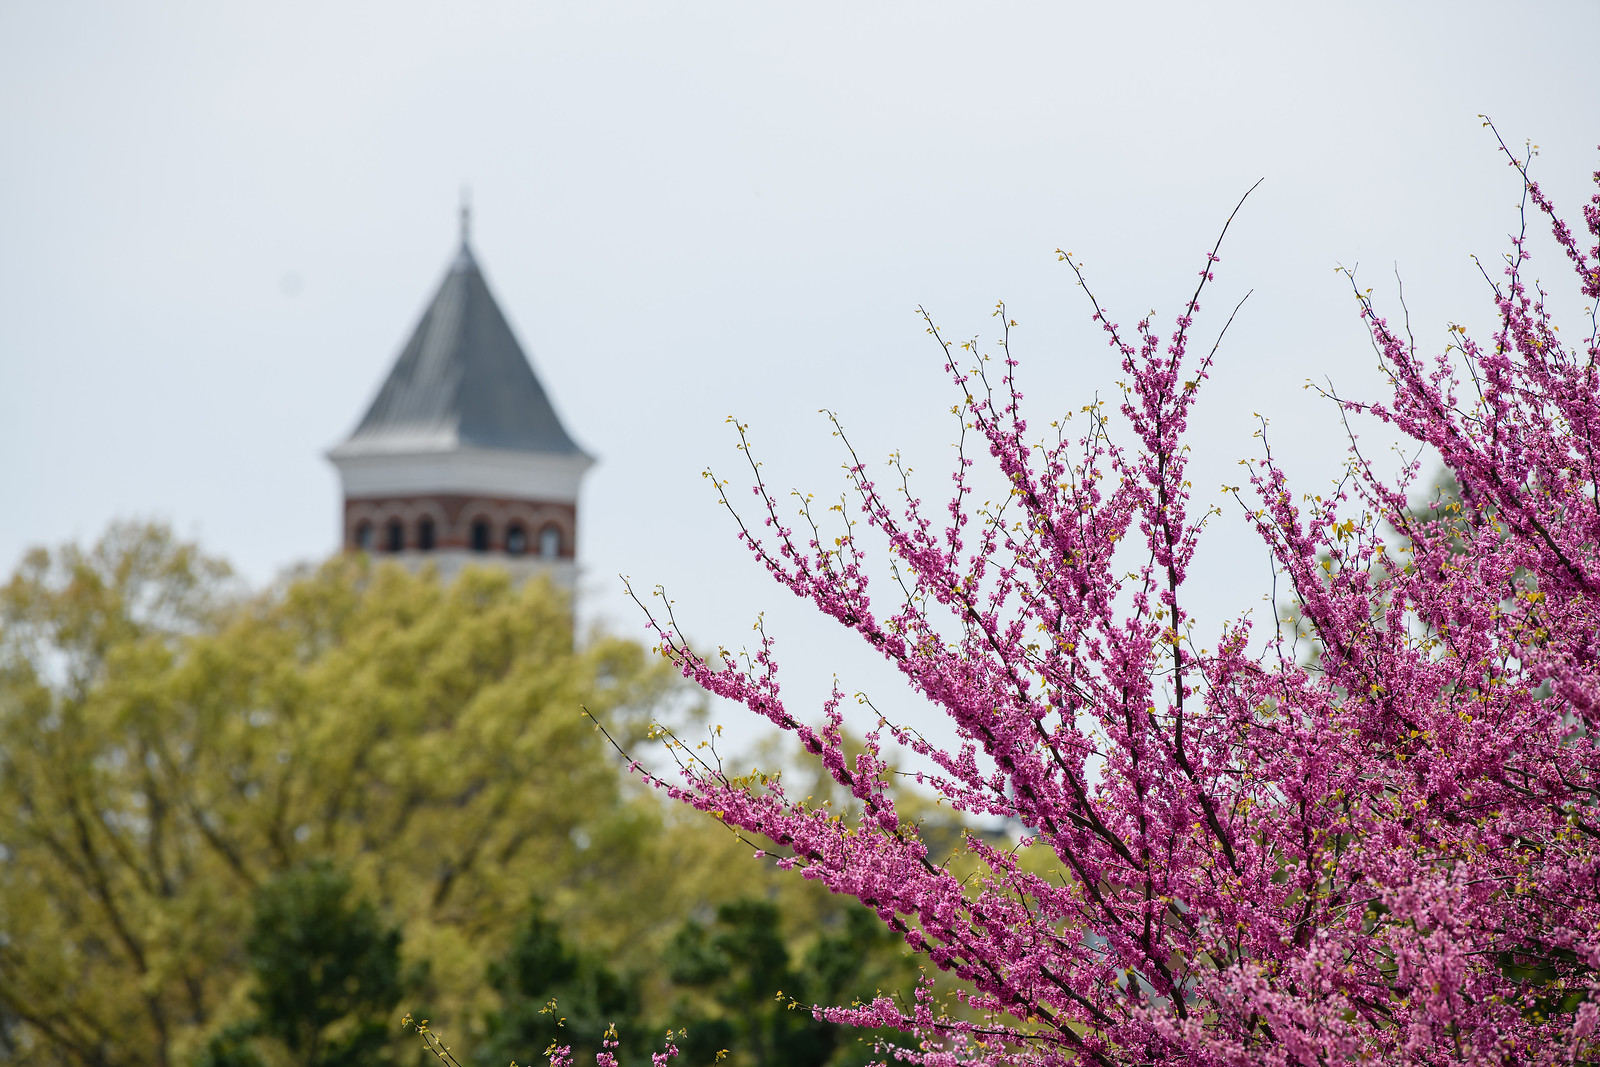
<point>1386,851</point>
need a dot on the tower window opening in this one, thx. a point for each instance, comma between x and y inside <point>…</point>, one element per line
<point>397,536</point>
<point>425,535</point>
<point>364,537</point>
<point>480,535</point>
<point>550,542</point>
<point>516,539</point>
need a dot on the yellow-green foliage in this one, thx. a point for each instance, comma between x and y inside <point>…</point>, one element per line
<point>165,749</point>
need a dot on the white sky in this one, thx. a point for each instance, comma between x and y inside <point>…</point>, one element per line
<point>218,223</point>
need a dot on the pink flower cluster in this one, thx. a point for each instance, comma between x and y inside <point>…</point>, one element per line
<point>1371,837</point>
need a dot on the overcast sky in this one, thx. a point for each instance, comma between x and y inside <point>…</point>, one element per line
<point>218,223</point>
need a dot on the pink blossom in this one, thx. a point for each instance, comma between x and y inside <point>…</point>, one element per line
<point>1372,836</point>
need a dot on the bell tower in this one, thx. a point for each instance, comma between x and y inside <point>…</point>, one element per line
<point>461,458</point>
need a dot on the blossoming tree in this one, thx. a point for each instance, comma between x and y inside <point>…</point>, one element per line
<point>1385,852</point>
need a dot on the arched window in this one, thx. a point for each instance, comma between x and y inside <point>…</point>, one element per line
<point>550,541</point>
<point>480,535</point>
<point>364,537</point>
<point>516,539</point>
<point>397,536</point>
<point>425,535</point>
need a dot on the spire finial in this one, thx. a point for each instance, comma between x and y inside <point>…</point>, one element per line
<point>466,214</point>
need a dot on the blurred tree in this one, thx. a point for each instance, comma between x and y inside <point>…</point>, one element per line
<point>171,749</point>
<point>736,995</point>
<point>167,747</point>
<point>754,1003</point>
<point>551,992</point>
<point>320,961</point>
<point>327,975</point>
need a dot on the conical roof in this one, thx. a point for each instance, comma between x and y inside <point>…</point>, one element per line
<point>461,381</point>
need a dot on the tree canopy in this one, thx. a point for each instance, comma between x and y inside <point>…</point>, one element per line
<point>199,787</point>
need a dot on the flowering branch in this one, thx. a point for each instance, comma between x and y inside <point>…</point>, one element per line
<point>1389,852</point>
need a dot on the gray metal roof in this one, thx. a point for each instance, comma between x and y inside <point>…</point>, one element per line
<point>462,380</point>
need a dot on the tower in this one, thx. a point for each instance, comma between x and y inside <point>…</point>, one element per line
<point>461,457</point>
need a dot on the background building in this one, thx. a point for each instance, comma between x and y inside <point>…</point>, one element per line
<point>461,457</point>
